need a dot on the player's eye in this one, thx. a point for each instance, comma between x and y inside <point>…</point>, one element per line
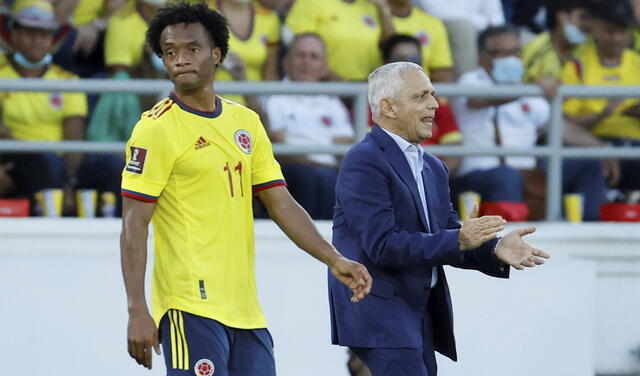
<point>194,49</point>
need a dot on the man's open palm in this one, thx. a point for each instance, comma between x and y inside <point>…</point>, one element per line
<point>512,250</point>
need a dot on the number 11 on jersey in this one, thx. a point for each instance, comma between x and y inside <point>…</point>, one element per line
<point>230,174</point>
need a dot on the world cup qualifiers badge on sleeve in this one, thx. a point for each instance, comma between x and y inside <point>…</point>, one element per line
<point>136,164</point>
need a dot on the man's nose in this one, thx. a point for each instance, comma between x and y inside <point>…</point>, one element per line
<point>182,58</point>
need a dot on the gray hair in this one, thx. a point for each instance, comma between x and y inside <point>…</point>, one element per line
<point>385,82</point>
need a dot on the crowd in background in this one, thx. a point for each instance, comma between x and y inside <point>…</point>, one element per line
<point>473,42</point>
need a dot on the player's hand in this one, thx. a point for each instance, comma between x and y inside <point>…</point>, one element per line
<point>354,275</point>
<point>142,335</point>
<point>512,250</point>
<point>476,231</point>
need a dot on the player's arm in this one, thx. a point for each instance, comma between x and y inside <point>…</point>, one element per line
<point>299,227</point>
<point>142,333</point>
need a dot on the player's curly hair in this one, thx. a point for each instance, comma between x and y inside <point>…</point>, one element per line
<point>212,21</point>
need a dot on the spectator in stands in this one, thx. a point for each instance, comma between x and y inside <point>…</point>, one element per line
<point>281,7</point>
<point>445,129</point>
<point>124,45</point>
<point>83,49</point>
<point>568,23</point>
<point>464,19</point>
<point>512,123</point>
<point>47,116</point>
<point>309,120</point>
<point>608,61</point>
<point>254,37</point>
<point>352,29</point>
<point>432,35</point>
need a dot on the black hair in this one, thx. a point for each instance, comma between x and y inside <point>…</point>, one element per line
<point>393,41</point>
<point>493,31</point>
<point>213,22</point>
<point>554,6</point>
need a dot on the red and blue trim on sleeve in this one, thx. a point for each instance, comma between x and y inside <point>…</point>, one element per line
<point>270,184</point>
<point>138,196</point>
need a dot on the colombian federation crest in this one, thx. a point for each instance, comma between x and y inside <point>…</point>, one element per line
<point>243,140</point>
<point>204,367</point>
<point>55,101</point>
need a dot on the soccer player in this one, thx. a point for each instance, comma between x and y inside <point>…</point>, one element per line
<point>193,162</point>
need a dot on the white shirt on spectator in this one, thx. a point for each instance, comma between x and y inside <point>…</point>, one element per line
<point>309,120</point>
<point>482,13</point>
<point>518,122</point>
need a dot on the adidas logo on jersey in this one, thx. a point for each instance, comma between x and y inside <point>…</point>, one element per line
<point>201,143</point>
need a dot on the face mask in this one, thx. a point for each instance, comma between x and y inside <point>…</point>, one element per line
<point>573,34</point>
<point>23,62</point>
<point>507,70</point>
<point>157,63</point>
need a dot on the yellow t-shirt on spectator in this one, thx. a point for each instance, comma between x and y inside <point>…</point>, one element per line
<point>587,70</point>
<point>39,116</point>
<point>350,30</point>
<point>87,11</point>
<point>125,38</point>
<point>432,35</point>
<point>541,58</point>
<point>253,50</point>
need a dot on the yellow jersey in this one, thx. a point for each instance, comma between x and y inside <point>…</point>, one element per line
<point>432,34</point>
<point>86,11</point>
<point>253,50</point>
<point>351,32</point>
<point>587,70</point>
<point>541,58</point>
<point>201,168</point>
<point>39,116</point>
<point>124,41</point>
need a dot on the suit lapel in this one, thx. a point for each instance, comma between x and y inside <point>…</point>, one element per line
<point>399,163</point>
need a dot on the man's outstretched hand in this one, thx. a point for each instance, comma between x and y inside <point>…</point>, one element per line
<point>512,250</point>
<point>354,275</point>
<point>475,230</point>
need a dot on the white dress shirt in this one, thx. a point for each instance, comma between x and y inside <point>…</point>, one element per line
<point>414,154</point>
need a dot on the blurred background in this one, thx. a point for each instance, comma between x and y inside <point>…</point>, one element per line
<point>539,121</point>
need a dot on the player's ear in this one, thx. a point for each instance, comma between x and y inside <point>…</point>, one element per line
<point>216,56</point>
<point>387,108</point>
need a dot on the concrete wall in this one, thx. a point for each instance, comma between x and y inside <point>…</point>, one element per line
<point>62,304</point>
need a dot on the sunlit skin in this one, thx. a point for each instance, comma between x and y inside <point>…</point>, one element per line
<point>190,58</point>
<point>33,43</point>
<point>411,115</point>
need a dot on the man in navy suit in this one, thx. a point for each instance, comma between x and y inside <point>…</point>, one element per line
<point>394,215</point>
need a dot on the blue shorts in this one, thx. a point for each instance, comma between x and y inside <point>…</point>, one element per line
<point>197,345</point>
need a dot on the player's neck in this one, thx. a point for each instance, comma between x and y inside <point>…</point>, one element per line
<point>203,99</point>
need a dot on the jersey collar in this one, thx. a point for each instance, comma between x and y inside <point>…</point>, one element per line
<point>207,114</point>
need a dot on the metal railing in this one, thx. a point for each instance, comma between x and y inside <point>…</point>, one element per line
<point>554,151</point>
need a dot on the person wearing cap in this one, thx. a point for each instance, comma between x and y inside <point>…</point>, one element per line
<point>46,116</point>
<point>608,61</point>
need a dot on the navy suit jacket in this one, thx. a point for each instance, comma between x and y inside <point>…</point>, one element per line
<point>379,221</point>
